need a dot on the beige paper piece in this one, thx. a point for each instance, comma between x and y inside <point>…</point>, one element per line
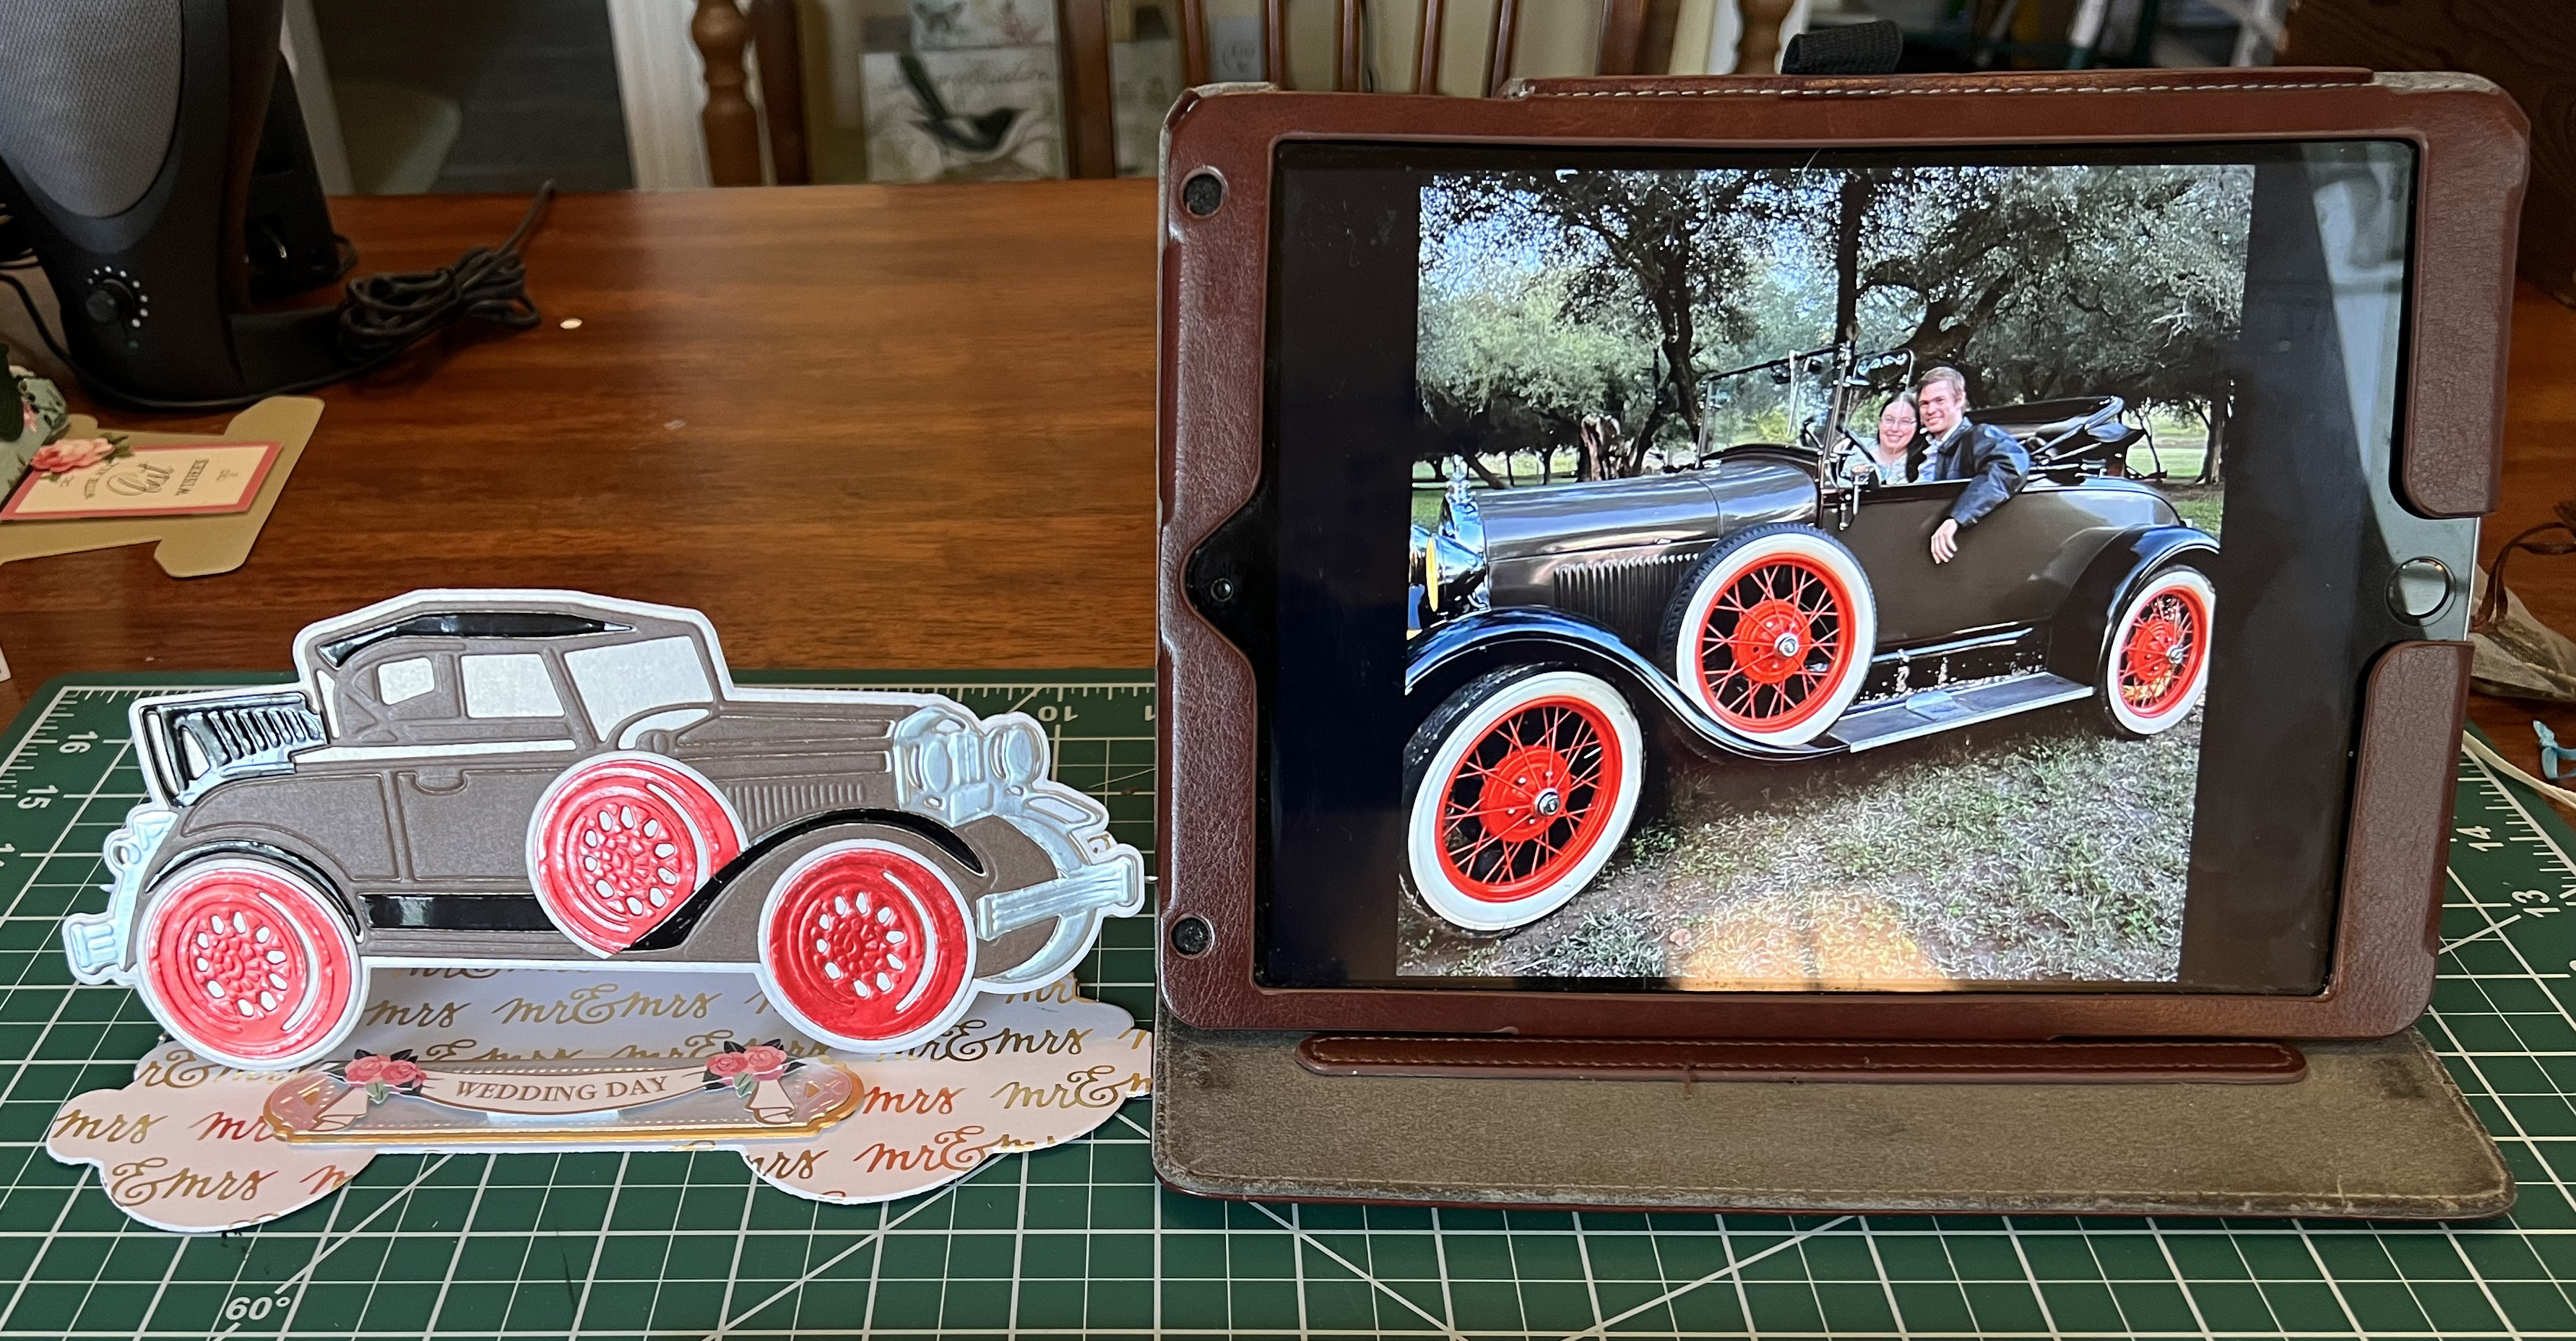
<point>1018,1073</point>
<point>185,1147</point>
<point>189,546</point>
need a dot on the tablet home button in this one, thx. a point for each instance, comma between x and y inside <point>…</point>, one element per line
<point>2419,588</point>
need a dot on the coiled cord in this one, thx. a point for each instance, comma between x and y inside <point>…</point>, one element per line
<point>394,312</point>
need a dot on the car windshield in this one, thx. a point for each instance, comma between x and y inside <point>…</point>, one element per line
<point>620,680</point>
<point>1788,399</point>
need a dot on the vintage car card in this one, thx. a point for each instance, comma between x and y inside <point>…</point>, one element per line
<point>127,481</point>
<point>529,868</point>
<point>517,1058</point>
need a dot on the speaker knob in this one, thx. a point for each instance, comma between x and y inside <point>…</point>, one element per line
<point>112,301</point>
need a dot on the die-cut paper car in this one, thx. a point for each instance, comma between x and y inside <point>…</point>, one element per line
<point>551,779</point>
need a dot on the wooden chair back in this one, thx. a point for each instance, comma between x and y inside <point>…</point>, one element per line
<point>735,127</point>
<point>1636,38</point>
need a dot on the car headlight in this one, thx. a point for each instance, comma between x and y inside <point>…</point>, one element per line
<point>1017,751</point>
<point>1453,560</point>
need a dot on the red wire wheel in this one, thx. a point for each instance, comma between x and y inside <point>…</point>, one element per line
<point>620,842</point>
<point>865,945</point>
<point>1774,633</point>
<point>1526,796</point>
<point>249,965</point>
<point>2159,659</point>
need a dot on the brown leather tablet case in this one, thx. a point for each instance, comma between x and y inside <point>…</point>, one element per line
<point>2375,1129</point>
<point>1213,292</point>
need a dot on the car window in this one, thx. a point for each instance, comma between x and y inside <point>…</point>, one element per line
<point>404,680</point>
<point>623,679</point>
<point>509,684</point>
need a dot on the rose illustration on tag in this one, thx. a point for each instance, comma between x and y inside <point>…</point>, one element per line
<point>743,1068</point>
<point>64,457</point>
<point>383,1074</point>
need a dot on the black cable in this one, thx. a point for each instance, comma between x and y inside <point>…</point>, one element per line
<point>383,312</point>
<point>380,316</point>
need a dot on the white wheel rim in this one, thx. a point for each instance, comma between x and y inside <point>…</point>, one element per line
<point>1423,847</point>
<point>2147,724</point>
<point>1833,696</point>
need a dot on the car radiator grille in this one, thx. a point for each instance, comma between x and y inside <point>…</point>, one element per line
<point>768,806</point>
<point>221,740</point>
<point>1626,595</point>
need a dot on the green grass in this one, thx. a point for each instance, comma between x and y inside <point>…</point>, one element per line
<point>2201,506</point>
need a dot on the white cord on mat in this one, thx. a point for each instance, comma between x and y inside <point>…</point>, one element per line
<point>2487,755</point>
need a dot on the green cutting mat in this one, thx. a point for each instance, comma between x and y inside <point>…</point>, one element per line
<point>1080,1240</point>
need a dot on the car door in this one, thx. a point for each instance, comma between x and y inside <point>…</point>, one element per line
<point>2013,567</point>
<point>481,732</point>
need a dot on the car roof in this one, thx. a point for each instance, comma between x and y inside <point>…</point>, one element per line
<point>513,624</point>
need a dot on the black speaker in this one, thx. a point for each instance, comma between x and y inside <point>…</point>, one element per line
<point>152,153</point>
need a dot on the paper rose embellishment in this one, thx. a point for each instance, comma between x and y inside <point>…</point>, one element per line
<point>62,458</point>
<point>743,1068</point>
<point>384,1075</point>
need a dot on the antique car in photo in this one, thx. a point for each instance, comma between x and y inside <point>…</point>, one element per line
<point>1767,606</point>
<point>556,780</point>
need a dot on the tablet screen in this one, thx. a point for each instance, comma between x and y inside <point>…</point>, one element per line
<point>1827,571</point>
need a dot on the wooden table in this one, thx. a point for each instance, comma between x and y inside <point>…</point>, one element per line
<point>862,426</point>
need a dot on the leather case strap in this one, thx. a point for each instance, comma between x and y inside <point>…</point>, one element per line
<point>2100,1061</point>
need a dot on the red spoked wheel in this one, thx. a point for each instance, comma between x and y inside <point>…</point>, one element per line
<point>864,945</point>
<point>1530,782</point>
<point>1772,633</point>
<point>619,842</point>
<point>247,964</point>
<point>2158,662</point>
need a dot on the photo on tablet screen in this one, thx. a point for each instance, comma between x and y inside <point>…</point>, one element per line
<point>1910,483</point>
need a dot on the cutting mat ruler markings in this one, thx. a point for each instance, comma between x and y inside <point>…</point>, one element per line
<point>1079,1240</point>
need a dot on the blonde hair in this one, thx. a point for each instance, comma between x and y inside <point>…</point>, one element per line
<point>1947,374</point>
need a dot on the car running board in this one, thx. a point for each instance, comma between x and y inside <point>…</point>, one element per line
<point>1928,710</point>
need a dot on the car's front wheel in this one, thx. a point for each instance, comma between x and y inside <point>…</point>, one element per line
<point>1522,785</point>
<point>1772,632</point>
<point>247,963</point>
<point>2157,664</point>
<point>865,945</point>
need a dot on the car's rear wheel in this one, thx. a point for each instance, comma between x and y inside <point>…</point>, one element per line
<point>2158,662</point>
<point>247,963</point>
<point>1522,785</point>
<point>620,842</point>
<point>866,946</point>
<point>1771,634</point>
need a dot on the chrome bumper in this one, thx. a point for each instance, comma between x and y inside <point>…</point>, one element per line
<point>1114,888</point>
<point>97,943</point>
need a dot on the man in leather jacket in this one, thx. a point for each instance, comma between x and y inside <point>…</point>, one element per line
<point>1987,457</point>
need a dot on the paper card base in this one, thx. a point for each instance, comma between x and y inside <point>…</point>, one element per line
<point>189,546</point>
<point>185,1146</point>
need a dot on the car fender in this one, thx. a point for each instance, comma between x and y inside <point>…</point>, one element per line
<point>2081,635</point>
<point>1490,640</point>
<point>685,921</point>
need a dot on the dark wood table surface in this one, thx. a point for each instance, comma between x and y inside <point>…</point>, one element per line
<point>860,426</point>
